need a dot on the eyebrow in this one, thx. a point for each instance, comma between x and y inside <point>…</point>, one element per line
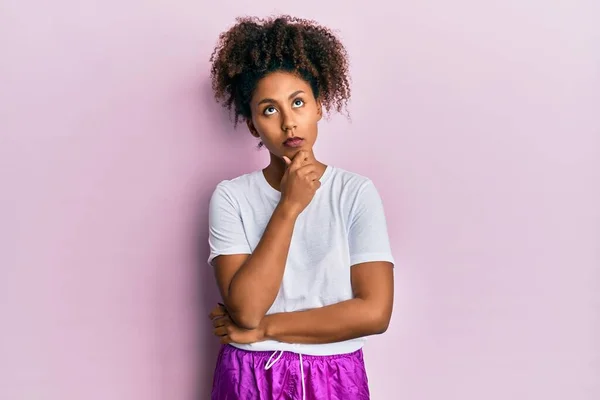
<point>296,93</point>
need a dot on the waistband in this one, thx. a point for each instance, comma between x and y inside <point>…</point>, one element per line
<point>291,355</point>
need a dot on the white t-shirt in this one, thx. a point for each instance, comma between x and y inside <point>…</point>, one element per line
<point>343,225</point>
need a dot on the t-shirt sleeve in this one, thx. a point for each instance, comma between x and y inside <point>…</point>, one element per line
<point>368,238</point>
<point>226,234</point>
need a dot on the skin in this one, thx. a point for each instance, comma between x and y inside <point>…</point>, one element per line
<point>284,106</point>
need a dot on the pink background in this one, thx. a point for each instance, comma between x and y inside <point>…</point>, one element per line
<point>478,122</point>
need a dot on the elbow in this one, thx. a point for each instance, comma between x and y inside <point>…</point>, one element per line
<point>243,316</point>
<point>246,320</point>
<point>376,316</point>
<point>381,328</point>
<point>380,323</point>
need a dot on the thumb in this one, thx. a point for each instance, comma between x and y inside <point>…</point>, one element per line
<point>287,161</point>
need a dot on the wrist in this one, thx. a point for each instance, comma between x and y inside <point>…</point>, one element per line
<point>287,211</point>
<point>265,328</point>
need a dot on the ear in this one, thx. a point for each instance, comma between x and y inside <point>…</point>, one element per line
<point>319,110</point>
<point>252,128</point>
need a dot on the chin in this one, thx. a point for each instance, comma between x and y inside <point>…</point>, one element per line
<point>292,151</point>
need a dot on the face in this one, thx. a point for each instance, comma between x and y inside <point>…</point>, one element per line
<point>285,114</point>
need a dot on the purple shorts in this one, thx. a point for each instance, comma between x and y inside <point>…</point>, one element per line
<point>276,375</point>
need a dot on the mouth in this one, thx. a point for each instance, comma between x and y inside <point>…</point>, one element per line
<point>294,142</point>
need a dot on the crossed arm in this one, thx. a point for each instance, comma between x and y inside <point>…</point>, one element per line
<point>368,313</point>
<point>249,284</point>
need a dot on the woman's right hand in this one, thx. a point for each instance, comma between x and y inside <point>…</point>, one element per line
<point>300,181</point>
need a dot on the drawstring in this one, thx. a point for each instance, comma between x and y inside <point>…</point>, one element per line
<point>272,362</point>
<point>302,375</point>
<point>269,363</point>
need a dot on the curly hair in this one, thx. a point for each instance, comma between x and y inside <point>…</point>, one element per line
<point>254,47</point>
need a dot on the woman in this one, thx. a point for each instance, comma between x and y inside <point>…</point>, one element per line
<point>300,249</point>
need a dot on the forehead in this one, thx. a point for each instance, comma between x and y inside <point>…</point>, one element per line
<point>279,85</point>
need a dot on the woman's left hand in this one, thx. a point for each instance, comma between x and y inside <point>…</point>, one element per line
<point>229,332</point>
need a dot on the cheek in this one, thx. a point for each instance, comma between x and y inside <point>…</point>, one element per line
<point>267,127</point>
<point>264,123</point>
<point>310,118</point>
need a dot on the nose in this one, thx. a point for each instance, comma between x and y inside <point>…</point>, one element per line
<point>288,123</point>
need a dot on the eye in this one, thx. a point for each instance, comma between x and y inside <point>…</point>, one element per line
<point>298,103</point>
<point>269,110</point>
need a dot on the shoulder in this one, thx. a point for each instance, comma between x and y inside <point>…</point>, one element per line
<point>231,190</point>
<point>351,183</point>
<point>238,184</point>
<point>356,192</point>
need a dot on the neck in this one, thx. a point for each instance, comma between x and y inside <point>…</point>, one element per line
<point>276,168</point>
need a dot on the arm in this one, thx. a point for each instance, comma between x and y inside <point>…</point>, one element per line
<point>371,274</point>
<point>250,283</point>
<point>368,313</point>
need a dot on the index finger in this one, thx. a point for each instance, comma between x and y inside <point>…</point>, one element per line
<point>218,311</point>
<point>301,158</point>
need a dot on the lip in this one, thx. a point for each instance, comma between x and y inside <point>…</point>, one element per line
<point>294,142</point>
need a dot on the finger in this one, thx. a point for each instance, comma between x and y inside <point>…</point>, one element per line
<point>222,321</point>
<point>307,169</point>
<point>309,155</point>
<point>302,154</point>
<point>225,339</point>
<point>216,314</point>
<point>299,160</point>
<point>220,331</point>
<point>313,176</point>
<point>288,162</point>
<point>218,311</point>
